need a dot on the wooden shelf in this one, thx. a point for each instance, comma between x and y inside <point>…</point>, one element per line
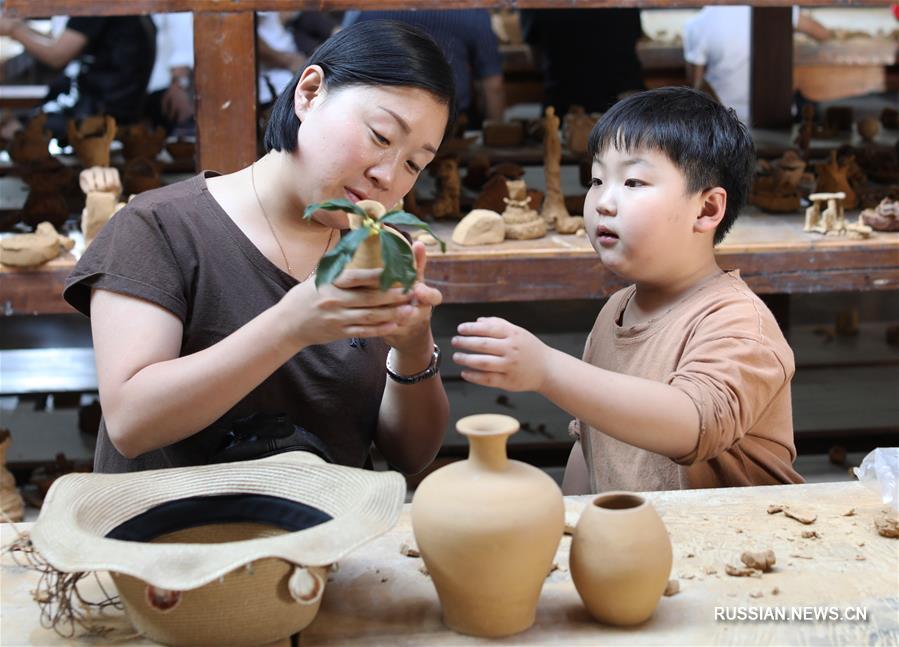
<point>773,255</point>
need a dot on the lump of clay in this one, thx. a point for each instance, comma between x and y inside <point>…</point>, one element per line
<point>480,227</point>
<point>28,250</point>
<point>869,128</point>
<point>761,561</point>
<point>884,217</point>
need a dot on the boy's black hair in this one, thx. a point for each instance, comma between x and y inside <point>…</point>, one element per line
<point>370,52</point>
<point>702,138</point>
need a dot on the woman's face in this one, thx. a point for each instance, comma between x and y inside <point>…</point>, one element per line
<point>365,142</point>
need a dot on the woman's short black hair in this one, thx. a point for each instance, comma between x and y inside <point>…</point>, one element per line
<point>369,52</point>
<point>702,138</point>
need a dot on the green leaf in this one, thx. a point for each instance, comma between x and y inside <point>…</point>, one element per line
<point>332,263</point>
<point>399,266</point>
<point>340,204</point>
<point>410,220</point>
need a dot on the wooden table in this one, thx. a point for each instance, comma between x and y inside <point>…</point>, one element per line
<point>379,597</point>
<point>772,253</point>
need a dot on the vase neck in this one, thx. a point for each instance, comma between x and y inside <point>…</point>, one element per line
<point>489,451</point>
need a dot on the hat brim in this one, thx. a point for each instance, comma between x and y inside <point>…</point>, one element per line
<point>81,510</point>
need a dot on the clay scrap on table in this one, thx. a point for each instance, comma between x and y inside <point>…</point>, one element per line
<point>29,250</point>
<point>798,515</point>
<point>887,526</point>
<point>672,588</point>
<point>760,561</point>
<point>409,549</point>
<point>737,571</point>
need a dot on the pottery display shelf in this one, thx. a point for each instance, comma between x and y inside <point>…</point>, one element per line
<point>379,596</point>
<point>772,252</point>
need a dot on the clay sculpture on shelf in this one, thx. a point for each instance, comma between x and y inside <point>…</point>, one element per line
<point>868,128</point>
<point>29,250</point>
<point>141,174</point>
<point>31,144</point>
<point>449,187</point>
<point>554,212</point>
<point>367,246</point>
<point>503,133</point>
<point>620,558</point>
<point>91,138</point>
<point>832,220</point>
<point>776,187</point>
<point>100,205</point>
<point>488,529</point>
<point>11,503</point>
<point>833,177</point>
<point>47,181</point>
<point>480,227</point>
<point>139,141</point>
<point>522,222</point>
<point>884,217</point>
<point>576,128</point>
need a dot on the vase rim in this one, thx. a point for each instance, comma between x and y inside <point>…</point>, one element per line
<point>487,424</point>
<point>628,501</point>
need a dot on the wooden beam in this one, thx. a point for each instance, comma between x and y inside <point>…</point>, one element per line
<point>39,8</point>
<point>771,67</point>
<point>225,81</point>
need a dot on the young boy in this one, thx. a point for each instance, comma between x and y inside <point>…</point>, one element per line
<point>685,379</point>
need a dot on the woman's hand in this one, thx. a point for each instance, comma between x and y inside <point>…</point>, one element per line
<point>500,354</point>
<point>351,306</point>
<point>413,334</point>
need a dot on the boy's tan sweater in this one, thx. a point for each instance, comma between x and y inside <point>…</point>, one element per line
<point>722,347</point>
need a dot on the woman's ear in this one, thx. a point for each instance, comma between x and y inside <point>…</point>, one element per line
<point>309,87</point>
<point>713,207</point>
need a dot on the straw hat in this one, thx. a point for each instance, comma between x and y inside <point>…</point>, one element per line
<point>232,553</point>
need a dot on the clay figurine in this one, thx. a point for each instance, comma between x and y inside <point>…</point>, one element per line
<point>576,128</point>
<point>29,250</point>
<point>31,144</point>
<point>101,203</point>
<point>449,188</point>
<point>832,220</point>
<point>776,187</point>
<point>141,174</point>
<point>884,217</point>
<point>503,133</point>
<point>554,201</point>
<point>47,181</point>
<point>480,227</point>
<point>488,529</point>
<point>833,177</point>
<point>11,503</point>
<point>140,141</point>
<point>522,222</point>
<point>620,558</point>
<point>91,138</point>
<point>366,246</point>
<point>868,128</point>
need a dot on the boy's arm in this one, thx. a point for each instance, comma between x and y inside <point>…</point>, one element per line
<point>631,409</point>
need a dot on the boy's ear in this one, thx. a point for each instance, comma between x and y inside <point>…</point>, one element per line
<point>309,87</point>
<point>713,206</point>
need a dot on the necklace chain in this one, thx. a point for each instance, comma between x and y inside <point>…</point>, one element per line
<point>271,228</point>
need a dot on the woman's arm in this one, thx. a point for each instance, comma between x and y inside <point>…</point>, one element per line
<point>55,52</point>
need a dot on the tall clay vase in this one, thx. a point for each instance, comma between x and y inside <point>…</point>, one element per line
<point>620,558</point>
<point>488,529</point>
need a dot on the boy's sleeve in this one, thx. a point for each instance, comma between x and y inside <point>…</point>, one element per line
<point>731,381</point>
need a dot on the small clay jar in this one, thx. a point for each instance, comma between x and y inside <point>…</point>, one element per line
<point>620,558</point>
<point>488,529</point>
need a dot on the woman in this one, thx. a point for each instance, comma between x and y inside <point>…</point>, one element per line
<point>210,336</point>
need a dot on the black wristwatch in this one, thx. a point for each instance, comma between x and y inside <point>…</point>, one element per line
<point>430,371</point>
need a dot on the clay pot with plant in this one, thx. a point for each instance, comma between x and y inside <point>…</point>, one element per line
<point>371,243</point>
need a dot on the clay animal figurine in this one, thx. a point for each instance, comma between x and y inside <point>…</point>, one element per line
<point>446,204</point>
<point>31,144</point>
<point>139,141</point>
<point>522,222</point>
<point>833,177</point>
<point>884,217</point>
<point>91,138</point>
<point>367,246</point>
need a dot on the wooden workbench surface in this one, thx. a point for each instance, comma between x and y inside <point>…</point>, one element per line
<point>772,253</point>
<point>380,597</point>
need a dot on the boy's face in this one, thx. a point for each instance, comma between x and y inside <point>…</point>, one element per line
<point>638,215</point>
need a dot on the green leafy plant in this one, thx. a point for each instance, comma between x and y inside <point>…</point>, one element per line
<point>399,265</point>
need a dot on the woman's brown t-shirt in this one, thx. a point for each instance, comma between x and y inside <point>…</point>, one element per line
<point>177,248</point>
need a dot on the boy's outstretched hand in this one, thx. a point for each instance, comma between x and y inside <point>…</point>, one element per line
<point>496,353</point>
